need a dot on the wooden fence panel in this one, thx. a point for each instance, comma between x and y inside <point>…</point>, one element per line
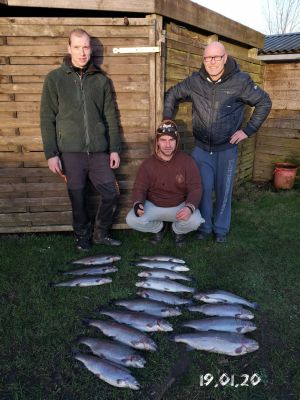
<point>279,139</point>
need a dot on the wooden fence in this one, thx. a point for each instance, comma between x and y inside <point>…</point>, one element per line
<point>278,140</point>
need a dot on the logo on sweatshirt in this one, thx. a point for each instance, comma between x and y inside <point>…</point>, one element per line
<point>179,178</point>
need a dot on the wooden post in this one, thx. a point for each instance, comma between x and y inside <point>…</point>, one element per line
<point>157,72</point>
<point>212,38</point>
<point>252,53</point>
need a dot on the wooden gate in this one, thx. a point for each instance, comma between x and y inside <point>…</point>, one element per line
<point>32,199</point>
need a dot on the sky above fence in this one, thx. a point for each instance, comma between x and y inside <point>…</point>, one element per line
<point>249,13</point>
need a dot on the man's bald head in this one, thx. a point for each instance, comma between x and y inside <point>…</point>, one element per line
<point>215,57</point>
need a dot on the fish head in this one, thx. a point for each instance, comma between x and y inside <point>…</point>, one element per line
<point>246,314</point>
<point>247,346</point>
<point>142,293</point>
<point>252,345</point>
<point>129,382</point>
<point>141,284</point>
<point>199,296</point>
<point>136,361</point>
<point>163,326</point>
<point>104,280</point>
<point>144,343</point>
<point>144,274</point>
<point>171,312</point>
<point>182,268</point>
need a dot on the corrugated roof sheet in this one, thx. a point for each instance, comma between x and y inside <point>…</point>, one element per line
<point>286,43</point>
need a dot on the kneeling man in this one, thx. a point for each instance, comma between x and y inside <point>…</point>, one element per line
<point>167,189</point>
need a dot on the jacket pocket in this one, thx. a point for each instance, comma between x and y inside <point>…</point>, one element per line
<point>99,141</point>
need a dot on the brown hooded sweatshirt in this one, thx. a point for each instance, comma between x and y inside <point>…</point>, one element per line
<point>168,183</point>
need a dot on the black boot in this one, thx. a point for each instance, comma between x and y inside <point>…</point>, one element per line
<point>106,213</point>
<point>157,237</point>
<point>83,238</point>
<point>179,240</point>
<point>104,237</point>
<point>81,223</point>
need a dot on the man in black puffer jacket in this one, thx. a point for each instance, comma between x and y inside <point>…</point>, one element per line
<point>219,93</point>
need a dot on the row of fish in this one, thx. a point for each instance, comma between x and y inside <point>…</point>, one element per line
<point>223,331</point>
<point>92,274</point>
<point>108,359</point>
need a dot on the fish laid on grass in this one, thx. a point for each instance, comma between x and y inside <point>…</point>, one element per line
<point>83,282</point>
<point>97,270</point>
<point>100,259</point>
<point>113,351</point>
<point>223,324</point>
<point>108,372</point>
<point>139,320</point>
<point>221,296</point>
<point>152,307</point>
<point>232,344</point>
<point>163,274</point>
<point>223,310</point>
<point>162,265</point>
<point>124,334</point>
<point>166,285</point>
<point>167,298</point>
<point>163,258</point>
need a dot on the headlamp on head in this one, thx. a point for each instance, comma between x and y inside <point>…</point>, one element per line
<point>167,128</point>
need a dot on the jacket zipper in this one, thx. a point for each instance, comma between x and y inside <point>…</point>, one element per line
<point>211,119</point>
<point>84,114</point>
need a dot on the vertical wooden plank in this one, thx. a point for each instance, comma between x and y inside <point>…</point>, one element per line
<point>160,69</point>
<point>152,86</point>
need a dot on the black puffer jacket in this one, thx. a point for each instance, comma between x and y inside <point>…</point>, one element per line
<point>218,107</point>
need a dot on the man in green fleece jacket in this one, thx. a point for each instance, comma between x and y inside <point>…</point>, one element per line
<point>81,137</point>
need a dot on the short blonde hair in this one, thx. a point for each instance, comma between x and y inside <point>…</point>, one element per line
<point>78,32</point>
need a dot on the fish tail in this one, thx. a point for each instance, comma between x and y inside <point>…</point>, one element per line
<point>86,321</point>
<point>255,305</point>
<point>132,264</point>
<point>74,353</point>
<point>80,338</point>
<point>110,303</point>
<point>189,304</point>
<point>61,271</point>
<point>172,337</point>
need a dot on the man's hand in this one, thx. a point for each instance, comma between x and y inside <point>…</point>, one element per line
<point>54,165</point>
<point>184,214</point>
<point>139,209</point>
<point>237,137</point>
<point>114,160</point>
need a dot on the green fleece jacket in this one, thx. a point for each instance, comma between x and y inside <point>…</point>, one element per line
<point>78,113</point>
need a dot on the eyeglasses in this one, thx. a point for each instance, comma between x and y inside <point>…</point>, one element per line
<point>215,58</point>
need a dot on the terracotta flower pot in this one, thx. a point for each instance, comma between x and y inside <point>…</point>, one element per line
<point>284,175</point>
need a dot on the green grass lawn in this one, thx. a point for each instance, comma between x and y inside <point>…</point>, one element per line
<point>260,261</point>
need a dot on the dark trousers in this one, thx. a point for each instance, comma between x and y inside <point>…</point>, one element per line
<point>78,168</point>
<point>217,172</point>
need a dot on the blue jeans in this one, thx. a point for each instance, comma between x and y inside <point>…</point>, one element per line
<point>152,219</point>
<point>217,171</point>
